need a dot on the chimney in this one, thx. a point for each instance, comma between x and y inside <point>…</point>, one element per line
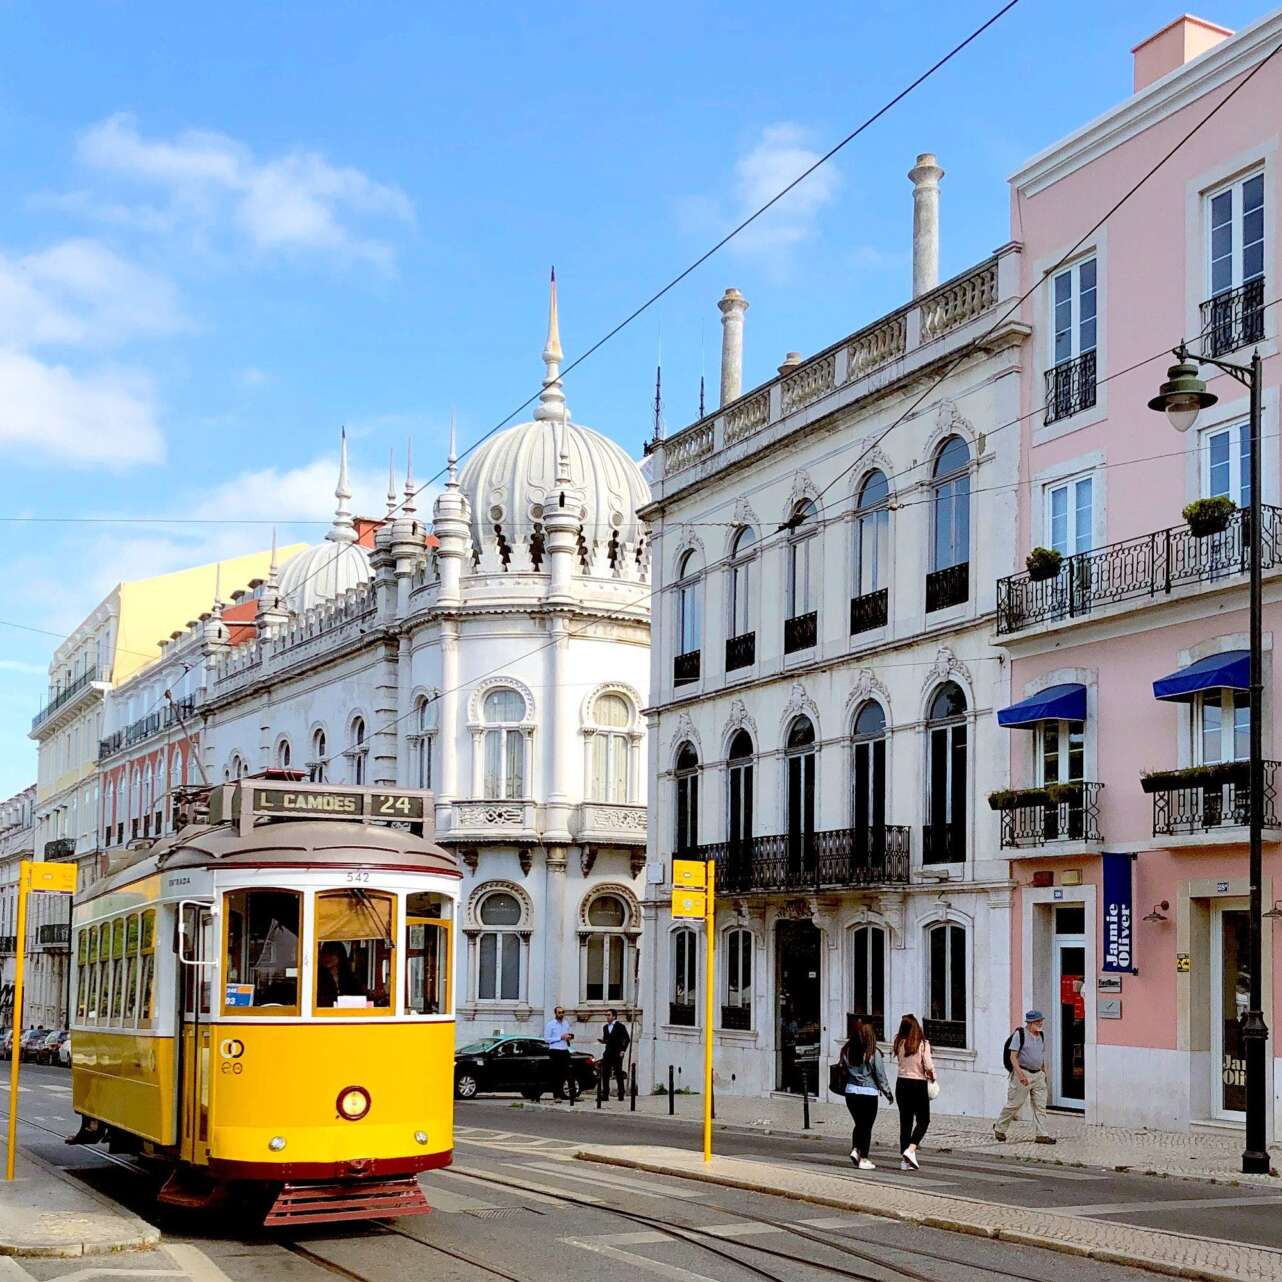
<point>925,175</point>
<point>732,305</point>
<point>1183,40</point>
<point>790,362</point>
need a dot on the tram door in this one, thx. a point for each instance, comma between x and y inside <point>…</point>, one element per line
<point>428,961</point>
<point>198,960</point>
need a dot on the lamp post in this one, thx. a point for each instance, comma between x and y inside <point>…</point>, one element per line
<point>1181,397</point>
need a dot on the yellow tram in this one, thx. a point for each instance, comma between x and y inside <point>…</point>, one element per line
<point>263,1000</point>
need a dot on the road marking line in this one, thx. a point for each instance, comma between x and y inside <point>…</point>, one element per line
<point>1174,1204</point>
<point>621,1182</point>
<point>540,1192</point>
<point>453,1203</point>
<point>11,1269</point>
<point>198,1265</point>
<point>957,1162</point>
<point>639,1261</point>
<point>855,1220</point>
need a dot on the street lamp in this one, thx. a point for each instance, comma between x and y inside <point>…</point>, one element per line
<point>1181,397</point>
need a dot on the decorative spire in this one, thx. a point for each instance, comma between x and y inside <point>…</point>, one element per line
<point>218,587</point>
<point>342,531</point>
<point>451,462</point>
<point>391,482</point>
<point>273,569</point>
<point>552,407</point>
<point>408,506</point>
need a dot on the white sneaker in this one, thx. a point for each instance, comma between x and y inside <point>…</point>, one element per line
<point>904,1166</point>
<point>854,1155</point>
<point>866,1165</point>
<point>910,1161</point>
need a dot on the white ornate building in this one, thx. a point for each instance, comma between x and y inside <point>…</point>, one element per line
<point>17,842</point>
<point>823,687</point>
<point>503,662</point>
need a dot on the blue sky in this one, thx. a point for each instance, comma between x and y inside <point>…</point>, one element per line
<point>227,231</point>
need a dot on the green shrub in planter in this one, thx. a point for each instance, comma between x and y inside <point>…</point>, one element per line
<point>1209,776</point>
<point>1043,563</point>
<point>1064,794</point>
<point>1017,798</point>
<point>1209,516</point>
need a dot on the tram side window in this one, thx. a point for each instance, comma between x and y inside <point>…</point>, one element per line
<point>117,969</point>
<point>102,989</point>
<point>427,954</point>
<point>354,950</point>
<point>84,971</point>
<point>262,949</point>
<point>147,968</point>
<point>131,969</point>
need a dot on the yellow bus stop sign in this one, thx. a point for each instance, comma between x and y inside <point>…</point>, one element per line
<point>58,878</point>
<point>689,903</point>
<point>689,874</point>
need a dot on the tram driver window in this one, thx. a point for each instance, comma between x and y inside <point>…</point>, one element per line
<point>427,954</point>
<point>262,950</point>
<point>354,946</point>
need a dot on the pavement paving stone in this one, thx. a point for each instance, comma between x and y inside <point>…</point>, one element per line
<point>1175,1254</point>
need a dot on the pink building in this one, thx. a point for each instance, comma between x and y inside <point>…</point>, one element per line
<point>1129,919</point>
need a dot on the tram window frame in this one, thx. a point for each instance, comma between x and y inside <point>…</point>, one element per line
<point>268,1010</point>
<point>147,968</point>
<point>444,923</point>
<point>86,944</point>
<point>117,972</point>
<point>389,1008</point>
<point>102,995</point>
<point>133,931</point>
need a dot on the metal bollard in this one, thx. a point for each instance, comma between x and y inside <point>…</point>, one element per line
<point>634,1089</point>
<point>712,1099</point>
<point>805,1108</point>
<point>672,1092</point>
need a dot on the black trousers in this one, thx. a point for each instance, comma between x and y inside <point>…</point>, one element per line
<point>863,1112</point>
<point>914,1111</point>
<point>611,1066</point>
<point>562,1073</point>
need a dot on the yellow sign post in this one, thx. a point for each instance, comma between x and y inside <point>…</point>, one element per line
<point>49,879</point>
<point>694,896</point>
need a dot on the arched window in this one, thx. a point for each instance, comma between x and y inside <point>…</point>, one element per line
<point>499,948</point>
<point>284,754</point>
<point>357,751</point>
<point>951,505</point>
<point>682,1009</point>
<point>175,782</point>
<point>689,619</point>
<point>606,951</point>
<point>687,775</point>
<point>946,777</point>
<point>946,995</point>
<point>135,803</point>
<point>739,777</point>
<point>502,712</point>
<point>736,1009</point>
<point>802,571</point>
<point>872,539</point>
<point>424,740</point>
<point>148,801</point>
<point>316,768</point>
<point>611,749</point>
<point>122,808</point>
<point>741,558</point>
<point>868,797</point>
<point>868,975</point>
<point>800,757</point>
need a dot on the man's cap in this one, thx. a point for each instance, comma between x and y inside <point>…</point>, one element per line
<point>1032,1016</point>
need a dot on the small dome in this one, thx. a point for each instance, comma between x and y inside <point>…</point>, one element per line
<point>321,573</point>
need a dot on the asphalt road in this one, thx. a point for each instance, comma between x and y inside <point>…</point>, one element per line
<point>514,1207</point>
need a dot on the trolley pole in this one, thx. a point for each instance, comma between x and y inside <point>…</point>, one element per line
<point>49,879</point>
<point>709,992</point>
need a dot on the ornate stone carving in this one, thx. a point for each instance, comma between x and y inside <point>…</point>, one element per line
<point>802,488</point>
<point>687,448</point>
<point>636,863</point>
<point>946,665</point>
<point>631,907</point>
<point>739,718</point>
<point>748,416</point>
<point>611,818</point>
<point>471,914</point>
<point>490,814</point>
<point>955,304</point>
<point>470,857</point>
<point>799,702</point>
<point>684,730</point>
<point>873,347</point>
<point>526,857</point>
<point>796,910</point>
<point>808,384</point>
<point>587,859</point>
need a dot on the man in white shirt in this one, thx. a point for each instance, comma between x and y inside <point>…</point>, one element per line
<point>558,1037</point>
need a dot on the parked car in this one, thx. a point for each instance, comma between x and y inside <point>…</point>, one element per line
<point>46,1050</point>
<point>6,1044</point>
<point>64,1051</point>
<point>517,1064</point>
<point>27,1046</point>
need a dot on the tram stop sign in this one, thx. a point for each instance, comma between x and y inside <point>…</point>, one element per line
<point>689,883</point>
<point>57,878</point>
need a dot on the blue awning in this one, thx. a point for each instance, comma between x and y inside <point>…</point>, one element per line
<point>1056,703</point>
<point>1230,670</point>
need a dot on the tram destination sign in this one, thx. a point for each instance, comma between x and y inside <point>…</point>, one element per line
<point>336,803</point>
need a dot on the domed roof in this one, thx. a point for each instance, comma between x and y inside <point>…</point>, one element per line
<point>321,573</point>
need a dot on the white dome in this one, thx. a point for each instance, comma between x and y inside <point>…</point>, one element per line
<point>321,573</point>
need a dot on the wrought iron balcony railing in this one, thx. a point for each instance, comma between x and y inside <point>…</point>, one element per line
<point>741,651</point>
<point>1075,818</point>
<point>950,1033</point>
<point>738,1018</point>
<point>685,668</point>
<point>868,611</point>
<point>800,632</point>
<point>1070,387</point>
<point>145,727</point>
<point>60,847</point>
<point>64,697</point>
<point>1233,319</point>
<point>8,943</point>
<point>54,933</point>
<point>943,843</point>
<point>836,859</point>
<point>681,1014</point>
<point>949,586</point>
<point>1212,797</point>
<point>1151,565</point>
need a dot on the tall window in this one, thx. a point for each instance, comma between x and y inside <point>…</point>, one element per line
<point>1226,463</point>
<point>1062,754</point>
<point>689,605</point>
<point>316,767</point>
<point>951,505</point>
<point>356,750</point>
<point>741,552</point>
<point>147,799</point>
<point>872,535</point>
<point>946,999</point>
<point>800,757</point>
<point>606,951</point>
<point>498,976</point>
<point>685,977</point>
<point>736,1009</point>
<point>502,712</point>
<point>802,587</point>
<point>1222,726</point>
<point>1074,310</point>
<point>284,754</point>
<point>611,749</point>
<point>1070,516</point>
<point>739,782</point>
<point>946,783</point>
<point>1236,229</point>
<point>424,740</point>
<point>868,807</point>
<point>868,975</point>
<point>686,838</point>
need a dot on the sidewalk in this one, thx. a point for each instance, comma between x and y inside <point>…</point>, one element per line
<point>1175,1254</point>
<point>44,1212</point>
<point>1205,1155</point>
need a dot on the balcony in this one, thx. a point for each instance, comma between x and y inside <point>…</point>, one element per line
<point>1233,319</point>
<point>943,843</point>
<point>949,586</point>
<point>681,1014</point>
<point>741,651</point>
<point>948,1033</point>
<point>685,668</point>
<point>56,934</point>
<point>1203,799</point>
<point>800,631</point>
<point>493,820</point>
<point>868,611</point>
<point>841,858</point>
<point>608,823</point>
<point>8,944</point>
<point>1070,387</point>
<point>1151,565</point>
<point>145,727</point>
<point>65,697</point>
<point>1041,816</point>
<point>736,1018</point>
<point>60,847</point>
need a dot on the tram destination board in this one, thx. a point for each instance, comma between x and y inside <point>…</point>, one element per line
<point>337,804</point>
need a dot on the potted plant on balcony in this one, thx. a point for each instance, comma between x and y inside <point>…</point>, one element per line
<point>1018,798</point>
<point>1043,563</point>
<point>1213,775</point>
<point>1064,794</point>
<point>1209,516</point>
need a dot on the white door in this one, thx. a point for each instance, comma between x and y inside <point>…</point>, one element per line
<point>1230,996</point>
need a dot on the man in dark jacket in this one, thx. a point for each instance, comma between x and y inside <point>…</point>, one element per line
<point>616,1040</point>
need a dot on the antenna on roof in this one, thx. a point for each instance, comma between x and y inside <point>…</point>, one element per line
<point>658,389</point>
<point>700,369</point>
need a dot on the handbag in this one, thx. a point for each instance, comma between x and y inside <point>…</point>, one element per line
<point>837,1078</point>
<point>932,1089</point>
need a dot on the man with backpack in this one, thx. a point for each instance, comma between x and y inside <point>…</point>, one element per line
<point>1024,1056</point>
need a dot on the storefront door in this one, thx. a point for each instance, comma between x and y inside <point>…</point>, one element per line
<point>797,1034</point>
<point>1230,996</point>
<point>1068,1010</point>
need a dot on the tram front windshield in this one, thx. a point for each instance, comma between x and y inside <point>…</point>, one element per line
<point>354,947</point>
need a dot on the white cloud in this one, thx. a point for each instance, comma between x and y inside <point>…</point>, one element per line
<point>24,669</point>
<point>252,376</point>
<point>297,201</point>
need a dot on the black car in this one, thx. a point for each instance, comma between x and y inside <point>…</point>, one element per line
<point>518,1064</point>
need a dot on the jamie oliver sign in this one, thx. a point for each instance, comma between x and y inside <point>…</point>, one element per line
<point>1118,937</point>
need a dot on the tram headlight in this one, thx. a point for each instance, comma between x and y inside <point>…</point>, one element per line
<point>276,1143</point>
<point>420,1137</point>
<point>353,1103</point>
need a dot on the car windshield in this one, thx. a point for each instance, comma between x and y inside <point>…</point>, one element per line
<point>479,1048</point>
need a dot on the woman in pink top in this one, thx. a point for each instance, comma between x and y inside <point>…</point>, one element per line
<point>916,1068</point>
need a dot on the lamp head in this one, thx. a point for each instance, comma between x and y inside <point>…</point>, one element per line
<point>1182,396</point>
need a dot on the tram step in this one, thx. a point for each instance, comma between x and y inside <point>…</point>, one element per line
<point>358,1200</point>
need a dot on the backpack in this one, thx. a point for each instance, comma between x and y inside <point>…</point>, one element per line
<point>1006,1048</point>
